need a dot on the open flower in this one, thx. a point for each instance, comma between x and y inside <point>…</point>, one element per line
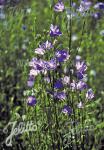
<point>59,7</point>
<point>62,55</point>
<point>60,95</point>
<point>58,84</point>
<point>81,66</point>
<point>51,65</point>
<point>55,31</point>
<point>90,94</point>
<point>46,45</point>
<point>31,101</point>
<point>84,6</point>
<point>39,51</point>
<point>67,110</point>
<point>81,85</point>
<point>99,5</point>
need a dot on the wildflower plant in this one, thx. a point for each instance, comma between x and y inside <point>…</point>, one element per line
<point>58,82</point>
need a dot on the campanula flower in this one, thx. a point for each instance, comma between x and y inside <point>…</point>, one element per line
<point>39,51</point>
<point>79,75</point>
<point>90,94</point>
<point>81,85</point>
<point>51,64</point>
<point>66,80</point>
<point>59,7</point>
<point>55,31</point>
<point>96,15</point>
<point>67,110</point>
<point>46,45</point>
<point>37,64</point>
<point>84,6</point>
<point>31,101</point>
<point>62,55</point>
<point>34,72</point>
<point>99,5</point>
<point>73,85</point>
<point>60,95</point>
<point>58,84</point>
<point>81,66</point>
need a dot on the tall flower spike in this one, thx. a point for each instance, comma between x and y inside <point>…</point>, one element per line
<point>59,7</point>
<point>55,31</point>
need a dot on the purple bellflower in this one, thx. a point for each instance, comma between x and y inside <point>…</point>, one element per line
<point>31,101</point>
<point>67,110</point>
<point>81,85</point>
<point>58,84</point>
<point>84,6</point>
<point>99,5</point>
<point>46,45</point>
<point>62,55</point>
<point>60,95</point>
<point>55,31</point>
<point>59,7</point>
<point>90,94</point>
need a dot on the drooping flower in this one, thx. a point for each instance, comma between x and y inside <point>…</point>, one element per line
<point>58,84</point>
<point>90,94</point>
<point>55,31</point>
<point>31,101</point>
<point>81,85</point>
<point>30,81</point>
<point>99,5</point>
<point>59,7</point>
<point>67,110</point>
<point>62,55</point>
